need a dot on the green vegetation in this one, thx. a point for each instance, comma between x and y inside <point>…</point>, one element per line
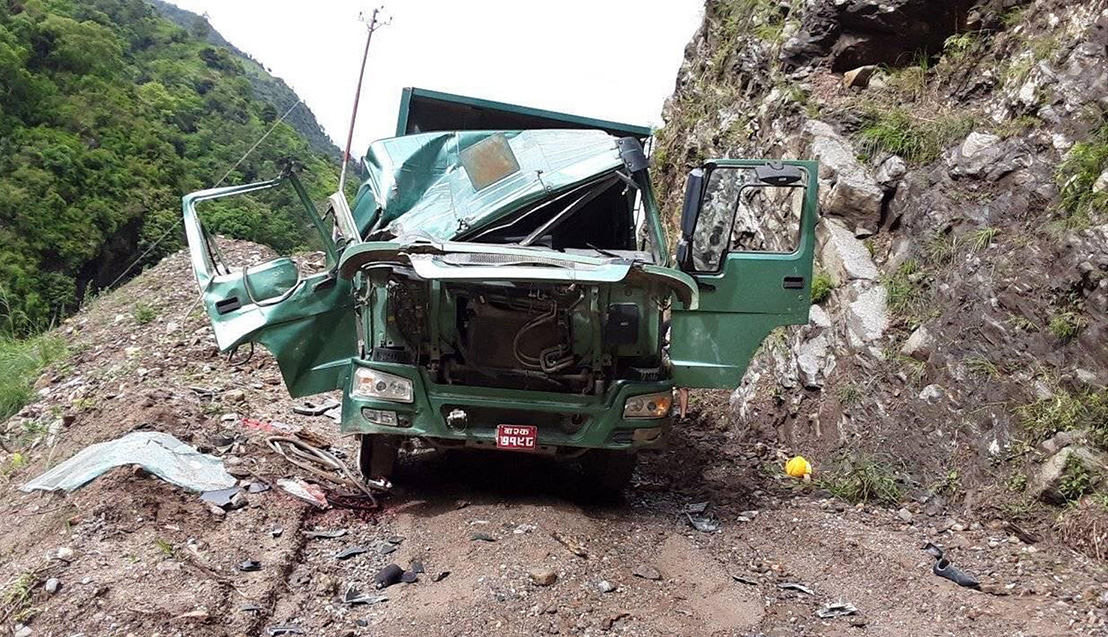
<point>982,239</point>
<point>962,45</point>
<point>1076,479</point>
<point>1067,410</point>
<point>165,548</point>
<point>909,293</point>
<point>143,313</point>
<point>1065,326</point>
<point>109,114</point>
<point>822,285</point>
<point>16,601</point>
<point>916,139</point>
<point>21,360</point>
<point>1082,200</point>
<point>849,394</point>
<point>863,479</point>
<point>1017,482</point>
<point>982,366</point>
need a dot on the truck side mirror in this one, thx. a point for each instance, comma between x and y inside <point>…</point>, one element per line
<point>690,211</point>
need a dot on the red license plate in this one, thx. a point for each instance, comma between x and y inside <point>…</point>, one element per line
<point>523,437</point>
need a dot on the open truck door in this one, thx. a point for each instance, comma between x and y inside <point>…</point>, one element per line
<point>747,239</point>
<point>303,315</point>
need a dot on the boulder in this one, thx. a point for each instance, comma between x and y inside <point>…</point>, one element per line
<point>859,77</point>
<point>984,156</point>
<point>843,256</point>
<point>847,188</point>
<point>1061,440</point>
<point>1101,183</point>
<point>812,360</point>
<point>868,317</point>
<point>919,345</point>
<point>891,170</point>
<point>1049,482</point>
<point>853,33</point>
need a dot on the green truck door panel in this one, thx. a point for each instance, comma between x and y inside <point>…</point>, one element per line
<point>306,322</point>
<point>744,295</point>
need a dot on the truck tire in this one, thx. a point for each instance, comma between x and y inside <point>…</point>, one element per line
<point>607,472</point>
<point>377,456</point>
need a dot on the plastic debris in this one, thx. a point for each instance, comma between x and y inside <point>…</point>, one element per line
<point>744,580</point>
<point>440,576</point>
<point>310,408</point>
<point>273,631</point>
<point>696,507</point>
<point>792,586</point>
<point>159,453</point>
<point>354,596</point>
<point>836,609</point>
<point>348,553</point>
<point>257,487</point>
<point>943,568</point>
<point>571,544</point>
<point>482,537</point>
<point>703,523</point>
<point>388,576</point>
<point>384,548</point>
<point>798,467</point>
<point>306,492</point>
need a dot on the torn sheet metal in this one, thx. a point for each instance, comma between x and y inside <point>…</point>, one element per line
<point>159,453</point>
<point>441,184</point>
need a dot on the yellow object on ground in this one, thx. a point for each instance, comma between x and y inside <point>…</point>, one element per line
<point>798,467</point>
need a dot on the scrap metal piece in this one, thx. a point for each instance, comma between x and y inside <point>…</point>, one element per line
<point>330,535</point>
<point>226,499</point>
<point>159,453</point>
<point>792,586</point>
<point>703,523</point>
<point>249,566</point>
<point>289,629</point>
<point>310,408</point>
<point>836,609</point>
<point>438,577</point>
<point>354,596</point>
<point>348,553</point>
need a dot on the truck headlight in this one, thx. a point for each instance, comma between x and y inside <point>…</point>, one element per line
<point>371,383</point>
<point>648,405</point>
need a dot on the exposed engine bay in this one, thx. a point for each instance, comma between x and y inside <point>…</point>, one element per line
<point>552,337</point>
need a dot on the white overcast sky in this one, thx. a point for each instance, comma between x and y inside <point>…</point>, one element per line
<point>610,59</point>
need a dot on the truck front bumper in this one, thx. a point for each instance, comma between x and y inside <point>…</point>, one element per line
<point>564,421</point>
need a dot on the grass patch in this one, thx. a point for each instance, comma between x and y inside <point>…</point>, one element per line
<point>17,598</point>
<point>962,45</point>
<point>1076,479</point>
<point>1067,410</point>
<point>1079,200</point>
<point>909,293</point>
<point>822,285</point>
<point>1065,326</point>
<point>864,480</point>
<point>982,239</point>
<point>916,139</point>
<point>143,313</point>
<point>21,360</point>
<point>1016,483</point>
<point>164,547</point>
<point>849,394</point>
<point>981,366</point>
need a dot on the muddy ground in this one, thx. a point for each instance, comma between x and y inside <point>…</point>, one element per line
<point>142,557</point>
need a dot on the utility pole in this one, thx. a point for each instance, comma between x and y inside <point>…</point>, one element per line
<point>372,25</point>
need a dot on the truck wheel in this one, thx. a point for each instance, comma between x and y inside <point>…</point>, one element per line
<point>608,472</point>
<point>377,456</point>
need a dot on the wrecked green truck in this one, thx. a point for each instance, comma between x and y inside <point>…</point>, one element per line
<point>502,281</point>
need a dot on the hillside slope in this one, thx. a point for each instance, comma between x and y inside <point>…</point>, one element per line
<point>964,195</point>
<point>132,554</point>
<point>270,89</point>
<point>109,113</point>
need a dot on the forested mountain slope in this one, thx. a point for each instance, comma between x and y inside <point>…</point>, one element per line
<point>108,114</point>
<point>267,87</point>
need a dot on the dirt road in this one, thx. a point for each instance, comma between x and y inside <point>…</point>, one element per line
<point>141,557</point>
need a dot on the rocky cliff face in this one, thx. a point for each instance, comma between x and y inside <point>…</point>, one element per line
<point>964,201</point>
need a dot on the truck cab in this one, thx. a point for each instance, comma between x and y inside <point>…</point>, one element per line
<point>502,280</point>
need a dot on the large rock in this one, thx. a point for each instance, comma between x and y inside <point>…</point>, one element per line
<point>891,170</point>
<point>847,188</point>
<point>868,317</point>
<point>843,256</point>
<point>919,345</point>
<point>1052,476</point>
<point>853,33</point>
<point>985,156</point>
<point>814,361</point>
